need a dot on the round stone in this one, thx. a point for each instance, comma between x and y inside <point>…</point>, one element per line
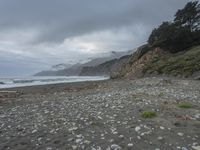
<point>115,147</point>
<point>137,128</point>
<point>180,134</point>
<point>130,144</point>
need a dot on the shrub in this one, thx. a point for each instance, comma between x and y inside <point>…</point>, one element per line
<point>148,114</point>
<point>185,105</point>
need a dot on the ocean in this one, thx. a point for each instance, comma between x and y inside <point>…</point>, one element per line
<point>44,80</point>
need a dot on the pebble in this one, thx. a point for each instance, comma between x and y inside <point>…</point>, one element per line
<point>137,129</point>
<point>130,145</point>
<point>78,140</point>
<point>196,147</point>
<point>34,131</point>
<point>195,143</point>
<point>70,139</point>
<point>184,148</point>
<point>162,128</point>
<point>87,142</point>
<point>74,147</point>
<point>197,116</point>
<point>160,138</point>
<point>115,147</point>
<point>178,147</point>
<point>180,134</point>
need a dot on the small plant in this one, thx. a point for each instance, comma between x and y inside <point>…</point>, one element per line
<point>185,105</point>
<point>161,94</point>
<point>148,114</point>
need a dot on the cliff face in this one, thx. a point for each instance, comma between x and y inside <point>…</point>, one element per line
<point>147,61</point>
<point>126,67</point>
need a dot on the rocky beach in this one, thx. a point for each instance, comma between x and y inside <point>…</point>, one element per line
<point>100,75</point>
<point>152,113</point>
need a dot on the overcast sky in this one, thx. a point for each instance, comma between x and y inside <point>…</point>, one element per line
<point>35,34</point>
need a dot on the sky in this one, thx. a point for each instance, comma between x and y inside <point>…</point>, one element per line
<point>36,34</point>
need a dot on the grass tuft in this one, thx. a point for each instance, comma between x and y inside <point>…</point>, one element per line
<point>185,105</point>
<point>148,114</point>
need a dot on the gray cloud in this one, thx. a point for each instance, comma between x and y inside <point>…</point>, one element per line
<point>60,19</point>
<point>47,32</point>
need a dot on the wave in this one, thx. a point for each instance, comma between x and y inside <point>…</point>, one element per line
<point>23,81</point>
<point>30,81</point>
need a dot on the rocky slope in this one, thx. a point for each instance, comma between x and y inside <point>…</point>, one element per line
<point>146,61</point>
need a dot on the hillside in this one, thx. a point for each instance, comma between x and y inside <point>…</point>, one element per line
<point>76,69</point>
<point>182,64</point>
<point>146,61</point>
<point>105,68</point>
<point>71,71</point>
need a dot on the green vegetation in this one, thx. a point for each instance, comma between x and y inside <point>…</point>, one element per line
<point>185,105</point>
<point>180,34</point>
<point>160,94</point>
<point>182,65</point>
<point>148,114</point>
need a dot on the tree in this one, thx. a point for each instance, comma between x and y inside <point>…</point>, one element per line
<point>160,34</point>
<point>170,37</point>
<point>189,16</point>
<point>180,34</point>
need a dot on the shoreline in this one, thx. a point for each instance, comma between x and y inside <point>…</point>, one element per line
<point>10,83</point>
<point>55,87</point>
<point>51,86</point>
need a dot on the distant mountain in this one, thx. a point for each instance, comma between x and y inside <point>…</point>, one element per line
<point>105,68</point>
<point>76,69</point>
<point>60,67</point>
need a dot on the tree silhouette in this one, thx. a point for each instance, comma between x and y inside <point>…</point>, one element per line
<point>189,16</point>
<point>180,34</point>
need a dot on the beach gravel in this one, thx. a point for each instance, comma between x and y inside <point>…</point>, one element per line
<point>102,115</point>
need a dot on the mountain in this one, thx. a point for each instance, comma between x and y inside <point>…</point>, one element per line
<point>74,70</point>
<point>105,68</point>
<point>60,67</point>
